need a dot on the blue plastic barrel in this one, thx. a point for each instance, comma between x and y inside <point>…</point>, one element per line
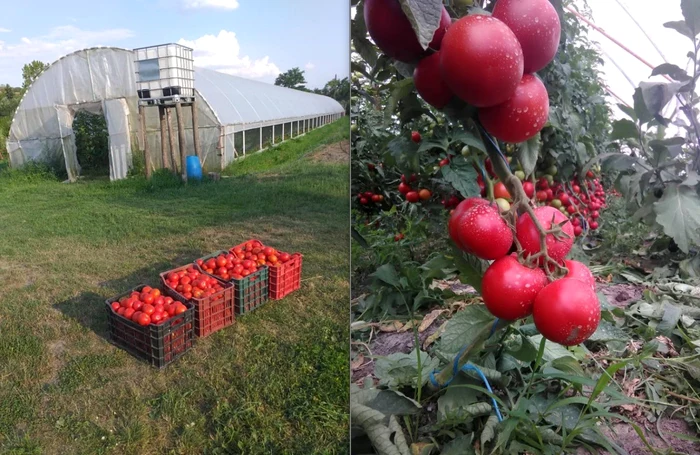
<point>194,168</point>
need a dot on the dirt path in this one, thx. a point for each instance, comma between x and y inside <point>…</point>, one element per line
<point>338,152</point>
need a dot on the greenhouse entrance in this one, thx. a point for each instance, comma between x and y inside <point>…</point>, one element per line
<point>95,138</point>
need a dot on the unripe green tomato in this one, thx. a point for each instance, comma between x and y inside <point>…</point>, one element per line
<point>465,150</point>
<point>552,170</point>
<point>550,179</point>
<point>354,128</point>
<point>556,203</point>
<point>563,210</point>
<point>503,204</point>
<point>520,175</point>
<point>432,125</point>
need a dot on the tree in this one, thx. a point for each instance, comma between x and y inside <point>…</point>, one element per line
<point>31,71</point>
<point>339,90</point>
<point>293,78</point>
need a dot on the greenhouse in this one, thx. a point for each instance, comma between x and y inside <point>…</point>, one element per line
<point>236,116</point>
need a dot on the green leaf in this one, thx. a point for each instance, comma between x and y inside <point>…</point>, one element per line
<point>452,404</point>
<point>640,107</point>
<point>461,445</point>
<point>624,129</point>
<point>388,402</point>
<point>628,110</point>
<point>568,365</point>
<point>657,95</point>
<point>527,351</point>
<point>552,351</point>
<point>400,90</point>
<point>424,16</point>
<point>669,321</point>
<point>462,176</point>
<point>468,138</point>
<point>617,161</point>
<point>605,379</point>
<point>464,328</point>
<point>387,274</point>
<point>471,268</point>
<point>528,152</point>
<point>608,332</point>
<point>678,211</point>
<point>399,369</point>
<point>387,440</point>
<point>691,13</point>
<point>488,434</point>
<point>681,27</point>
<point>674,71</point>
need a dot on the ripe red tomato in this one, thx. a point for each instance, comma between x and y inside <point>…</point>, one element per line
<point>579,271</point>
<point>571,209</point>
<point>147,298</point>
<point>509,288</point>
<point>529,189</point>
<point>522,116</point>
<point>542,196</point>
<point>529,237</point>
<point>564,198</point>
<point>137,305</point>
<point>567,311</point>
<point>412,196</point>
<point>180,308</point>
<point>429,83</point>
<point>142,319</point>
<point>481,60</point>
<point>393,34</point>
<point>284,257</point>
<point>129,312</point>
<point>415,136</point>
<point>157,317</point>
<point>404,188</point>
<point>148,309</point>
<point>536,24</point>
<point>116,306</point>
<point>481,231</point>
<point>500,191</point>
<point>594,225</point>
<point>121,311</point>
<point>461,209</point>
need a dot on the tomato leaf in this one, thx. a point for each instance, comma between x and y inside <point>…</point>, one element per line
<point>624,129</point>
<point>674,71</point>
<point>608,332</point>
<point>387,273</point>
<point>462,176</point>
<point>528,152</point>
<point>678,211</point>
<point>468,138</point>
<point>400,90</point>
<point>691,13</point>
<point>461,445</point>
<point>552,351</point>
<point>384,432</point>
<point>464,328</point>
<point>389,402</point>
<point>657,95</point>
<point>399,369</point>
<point>424,16</point>
<point>681,27</point>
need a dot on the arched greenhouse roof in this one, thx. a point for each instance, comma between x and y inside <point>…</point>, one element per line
<point>238,101</point>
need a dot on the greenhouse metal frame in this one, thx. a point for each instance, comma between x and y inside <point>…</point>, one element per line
<point>237,116</point>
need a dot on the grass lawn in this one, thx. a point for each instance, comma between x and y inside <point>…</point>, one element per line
<point>277,382</point>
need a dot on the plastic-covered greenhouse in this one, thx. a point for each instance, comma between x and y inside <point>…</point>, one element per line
<point>236,116</point>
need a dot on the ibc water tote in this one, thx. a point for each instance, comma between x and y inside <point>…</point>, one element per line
<point>194,168</point>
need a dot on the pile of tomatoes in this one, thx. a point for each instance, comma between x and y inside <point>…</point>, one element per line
<point>193,284</point>
<point>265,255</point>
<point>148,307</point>
<point>565,310</point>
<point>228,267</point>
<point>487,61</point>
<point>413,196</point>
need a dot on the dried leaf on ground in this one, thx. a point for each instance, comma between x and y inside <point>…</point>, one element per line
<point>394,326</point>
<point>429,319</point>
<point>432,338</point>
<point>358,362</point>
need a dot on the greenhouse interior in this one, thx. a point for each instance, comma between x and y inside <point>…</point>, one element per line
<point>236,116</point>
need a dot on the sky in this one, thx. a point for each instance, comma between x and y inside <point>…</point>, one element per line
<point>610,15</point>
<point>247,38</point>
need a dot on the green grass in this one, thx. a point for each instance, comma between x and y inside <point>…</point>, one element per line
<point>274,383</point>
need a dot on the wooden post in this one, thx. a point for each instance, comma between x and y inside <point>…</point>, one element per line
<point>163,137</point>
<point>146,154</point>
<point>181,140</point>
<point>195,131</point>
<point>171,138</point>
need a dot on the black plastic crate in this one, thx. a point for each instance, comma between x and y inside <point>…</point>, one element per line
<point>158,344</point>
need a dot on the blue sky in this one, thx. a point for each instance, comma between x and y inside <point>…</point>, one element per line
<point>254,39</point>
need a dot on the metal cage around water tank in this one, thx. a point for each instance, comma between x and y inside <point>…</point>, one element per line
<point>164,72</point>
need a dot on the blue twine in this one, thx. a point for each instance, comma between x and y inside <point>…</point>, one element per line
<point>470,367</point>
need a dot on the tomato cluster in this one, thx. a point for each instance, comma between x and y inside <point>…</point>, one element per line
<point>368,197</point>
<point>191,283</point>
<point>255,250</point>
<point>412,195</point>
<point>148,307</point>
<point>488,61</point>
<point>565,310</point>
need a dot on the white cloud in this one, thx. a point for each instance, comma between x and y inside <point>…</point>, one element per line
<point>223,53</point>
<point>214,4</point>
<point>309,66</point>
<point>5,30</point>
<point>47,48</point>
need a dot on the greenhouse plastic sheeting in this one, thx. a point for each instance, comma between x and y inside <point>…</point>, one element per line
<point>91,79</point>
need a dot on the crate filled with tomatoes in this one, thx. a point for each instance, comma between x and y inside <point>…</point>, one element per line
<point>284,268</point>
<point>249,278</point>
<point>151,325</point>
<point>212,298</point>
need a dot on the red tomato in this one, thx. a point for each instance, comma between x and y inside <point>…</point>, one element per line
<point>170,309</point>
<point>509,288</point>
<point>537,27</point>
<point>522,116</point>
<point>460,210</point>
<point>412,197</point>
<point>121,311</point>
<point>155,293</point>
<point>500,191</point>
<point>142,319</point>
<point>529,237</point>
<point>273,259</point>
<point>116,306</point>
<point>529,189</point>
<point>567,311</point>
<point>571,209</point>
<point>146,289</point>
<point>157,317</point>
<point>424,194</point>
<point>172,276</point>
<point>200,262</point>
<point>137,305</point>
<point>579,271</point>
<point>429,82</point>
<point>392,32</point>
<point>564,198</point>
<point>284,257</point>
<point>147,298</point>
<point>404,188</point>
<point>481,231</point>
<point>180,308</point>
<point>594,225</point>
<point>148,309</point>
<point>160,300</point>
<point>542,196</point>
<point>481,60</point>
<point>129,312</point>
